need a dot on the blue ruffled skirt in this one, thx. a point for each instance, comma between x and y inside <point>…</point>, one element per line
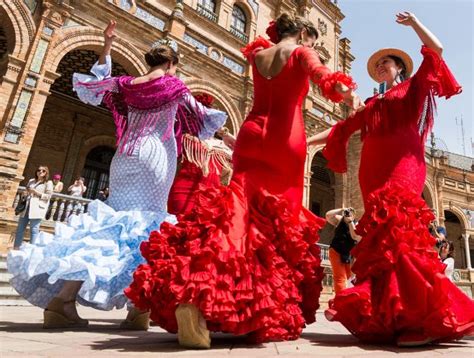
<point>100,248</point>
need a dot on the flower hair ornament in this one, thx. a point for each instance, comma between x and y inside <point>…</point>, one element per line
<point>272,32</point>
<point>166,42</point>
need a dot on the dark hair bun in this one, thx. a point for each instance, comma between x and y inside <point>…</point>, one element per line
<point>161,54</point>
<point>288,25</point>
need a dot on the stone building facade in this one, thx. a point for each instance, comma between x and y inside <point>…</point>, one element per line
<point>43,123</point>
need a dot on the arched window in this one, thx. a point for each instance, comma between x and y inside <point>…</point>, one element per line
<point>208,8</point>
<point>96,170</point>
<point>239,20</point>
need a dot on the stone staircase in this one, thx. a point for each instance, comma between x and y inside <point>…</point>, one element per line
<point>8,296</point>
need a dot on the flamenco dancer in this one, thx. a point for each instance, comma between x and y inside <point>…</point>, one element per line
<point>245,259</point>
<point>93,257</point>
<point>204,163</point>
<point>402,294</point>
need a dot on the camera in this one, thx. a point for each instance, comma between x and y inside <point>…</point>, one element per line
<point>346,212</point>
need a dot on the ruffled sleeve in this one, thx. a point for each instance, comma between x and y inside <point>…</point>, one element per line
<point>338,141</point>
<point>212,119</point>
<point>258,44</point>
<point>434,74</point>
<point>91,89</point>
<point>321,75</point>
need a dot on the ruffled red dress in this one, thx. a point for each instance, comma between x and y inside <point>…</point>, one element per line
<point>246,255</point>
<point>401,290</point>
<point>202,164</point>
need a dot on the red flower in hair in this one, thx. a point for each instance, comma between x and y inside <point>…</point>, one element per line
<point>272,32</point>
<point>205,99</point>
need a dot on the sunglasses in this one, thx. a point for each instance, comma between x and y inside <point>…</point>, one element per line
<point>41,171</point>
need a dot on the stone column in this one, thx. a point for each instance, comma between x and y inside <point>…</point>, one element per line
<point>467,251</point>
<point>307,189</point>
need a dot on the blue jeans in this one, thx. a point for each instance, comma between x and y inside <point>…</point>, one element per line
<point>20,231</point>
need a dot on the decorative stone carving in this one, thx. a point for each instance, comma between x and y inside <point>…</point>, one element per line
<point>322,27</point>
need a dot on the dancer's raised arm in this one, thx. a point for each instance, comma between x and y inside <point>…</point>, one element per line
<point>109,36</point>
<point>426,36</point>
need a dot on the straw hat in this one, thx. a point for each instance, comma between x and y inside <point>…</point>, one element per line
<point>389,52</point>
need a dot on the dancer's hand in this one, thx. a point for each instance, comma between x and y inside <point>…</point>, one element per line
<point>351,99</point>
<point>109,32</point>
<point>229,140</point>
<point>406,18</point>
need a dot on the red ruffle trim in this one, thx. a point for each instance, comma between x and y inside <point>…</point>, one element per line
<point>258,43</point>
<point>335,150</point>
<point>267,288</point>
<point>401,287</point>
<point>327,84</point>
<point>441,79</point>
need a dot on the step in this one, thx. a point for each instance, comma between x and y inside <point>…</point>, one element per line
<point>8,292</point>
<point>5,277</point>
<point>3,265</point>
<point>12,301</point>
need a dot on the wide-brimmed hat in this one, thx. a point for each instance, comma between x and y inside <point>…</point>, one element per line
<point>406,59</point>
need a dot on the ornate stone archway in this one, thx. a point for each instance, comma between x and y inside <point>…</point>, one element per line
<point>123,52</point>
<point>23,26</point>
<point>235,117</point>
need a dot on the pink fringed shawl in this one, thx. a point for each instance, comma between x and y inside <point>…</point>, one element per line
<point>146,99</point>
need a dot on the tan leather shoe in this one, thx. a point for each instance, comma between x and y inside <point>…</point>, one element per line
<point>140,322</point>
<point>54,316</point>
<point>191,334</point>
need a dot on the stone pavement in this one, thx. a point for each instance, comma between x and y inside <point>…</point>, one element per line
<point>21,335</point>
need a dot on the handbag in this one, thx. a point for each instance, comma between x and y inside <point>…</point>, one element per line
<point>21,206</point>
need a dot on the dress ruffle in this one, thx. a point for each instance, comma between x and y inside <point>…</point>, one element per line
<point>401,287</point>
<point>328,82</point>
<point>100,248</point>
<point>259,43</point>
<point>265,283</point>
<point>441,79</point>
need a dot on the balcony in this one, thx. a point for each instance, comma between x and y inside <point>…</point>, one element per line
<point>205,12</point>
<point>60,207</point>
<point>239,34</point>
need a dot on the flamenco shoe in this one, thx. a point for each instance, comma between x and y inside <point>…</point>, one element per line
<point>412,339</point>
<point>191,332</point>
<point>329,314</point>
<point>141,322</point>
<point>55,317</point>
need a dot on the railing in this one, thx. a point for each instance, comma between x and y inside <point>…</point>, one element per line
<point>239,34</point>
<point>324,253</point>
<point>205,12</point>
<point>461,275</point>
<point>60,206</point>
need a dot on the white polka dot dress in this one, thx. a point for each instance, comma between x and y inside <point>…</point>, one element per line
<point>101,248</point>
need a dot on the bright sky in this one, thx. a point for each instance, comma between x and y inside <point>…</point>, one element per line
<point>370,25</point>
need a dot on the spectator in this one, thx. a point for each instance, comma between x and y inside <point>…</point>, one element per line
<point>103,194</point>
<point>57,183</point>
<point>446,254</point>
<point>33,206</point>
<point>344,240</point>
<point>78,188</point>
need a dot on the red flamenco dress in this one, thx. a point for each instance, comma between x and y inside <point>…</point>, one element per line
<point>402,293</point>
<point>204,163</point>
<point>246,255</point>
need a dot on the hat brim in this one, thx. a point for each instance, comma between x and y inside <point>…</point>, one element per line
<point>376,56</point>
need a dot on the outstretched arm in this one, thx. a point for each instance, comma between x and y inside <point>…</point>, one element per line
<point>109,36</point>
<point>320,138</point>
<point>335,86</point>
<point>426,36</point>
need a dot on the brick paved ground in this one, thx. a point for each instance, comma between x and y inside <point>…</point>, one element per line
<point>21,335</point>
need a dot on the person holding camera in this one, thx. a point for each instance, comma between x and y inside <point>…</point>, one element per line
<point>342,243</point>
